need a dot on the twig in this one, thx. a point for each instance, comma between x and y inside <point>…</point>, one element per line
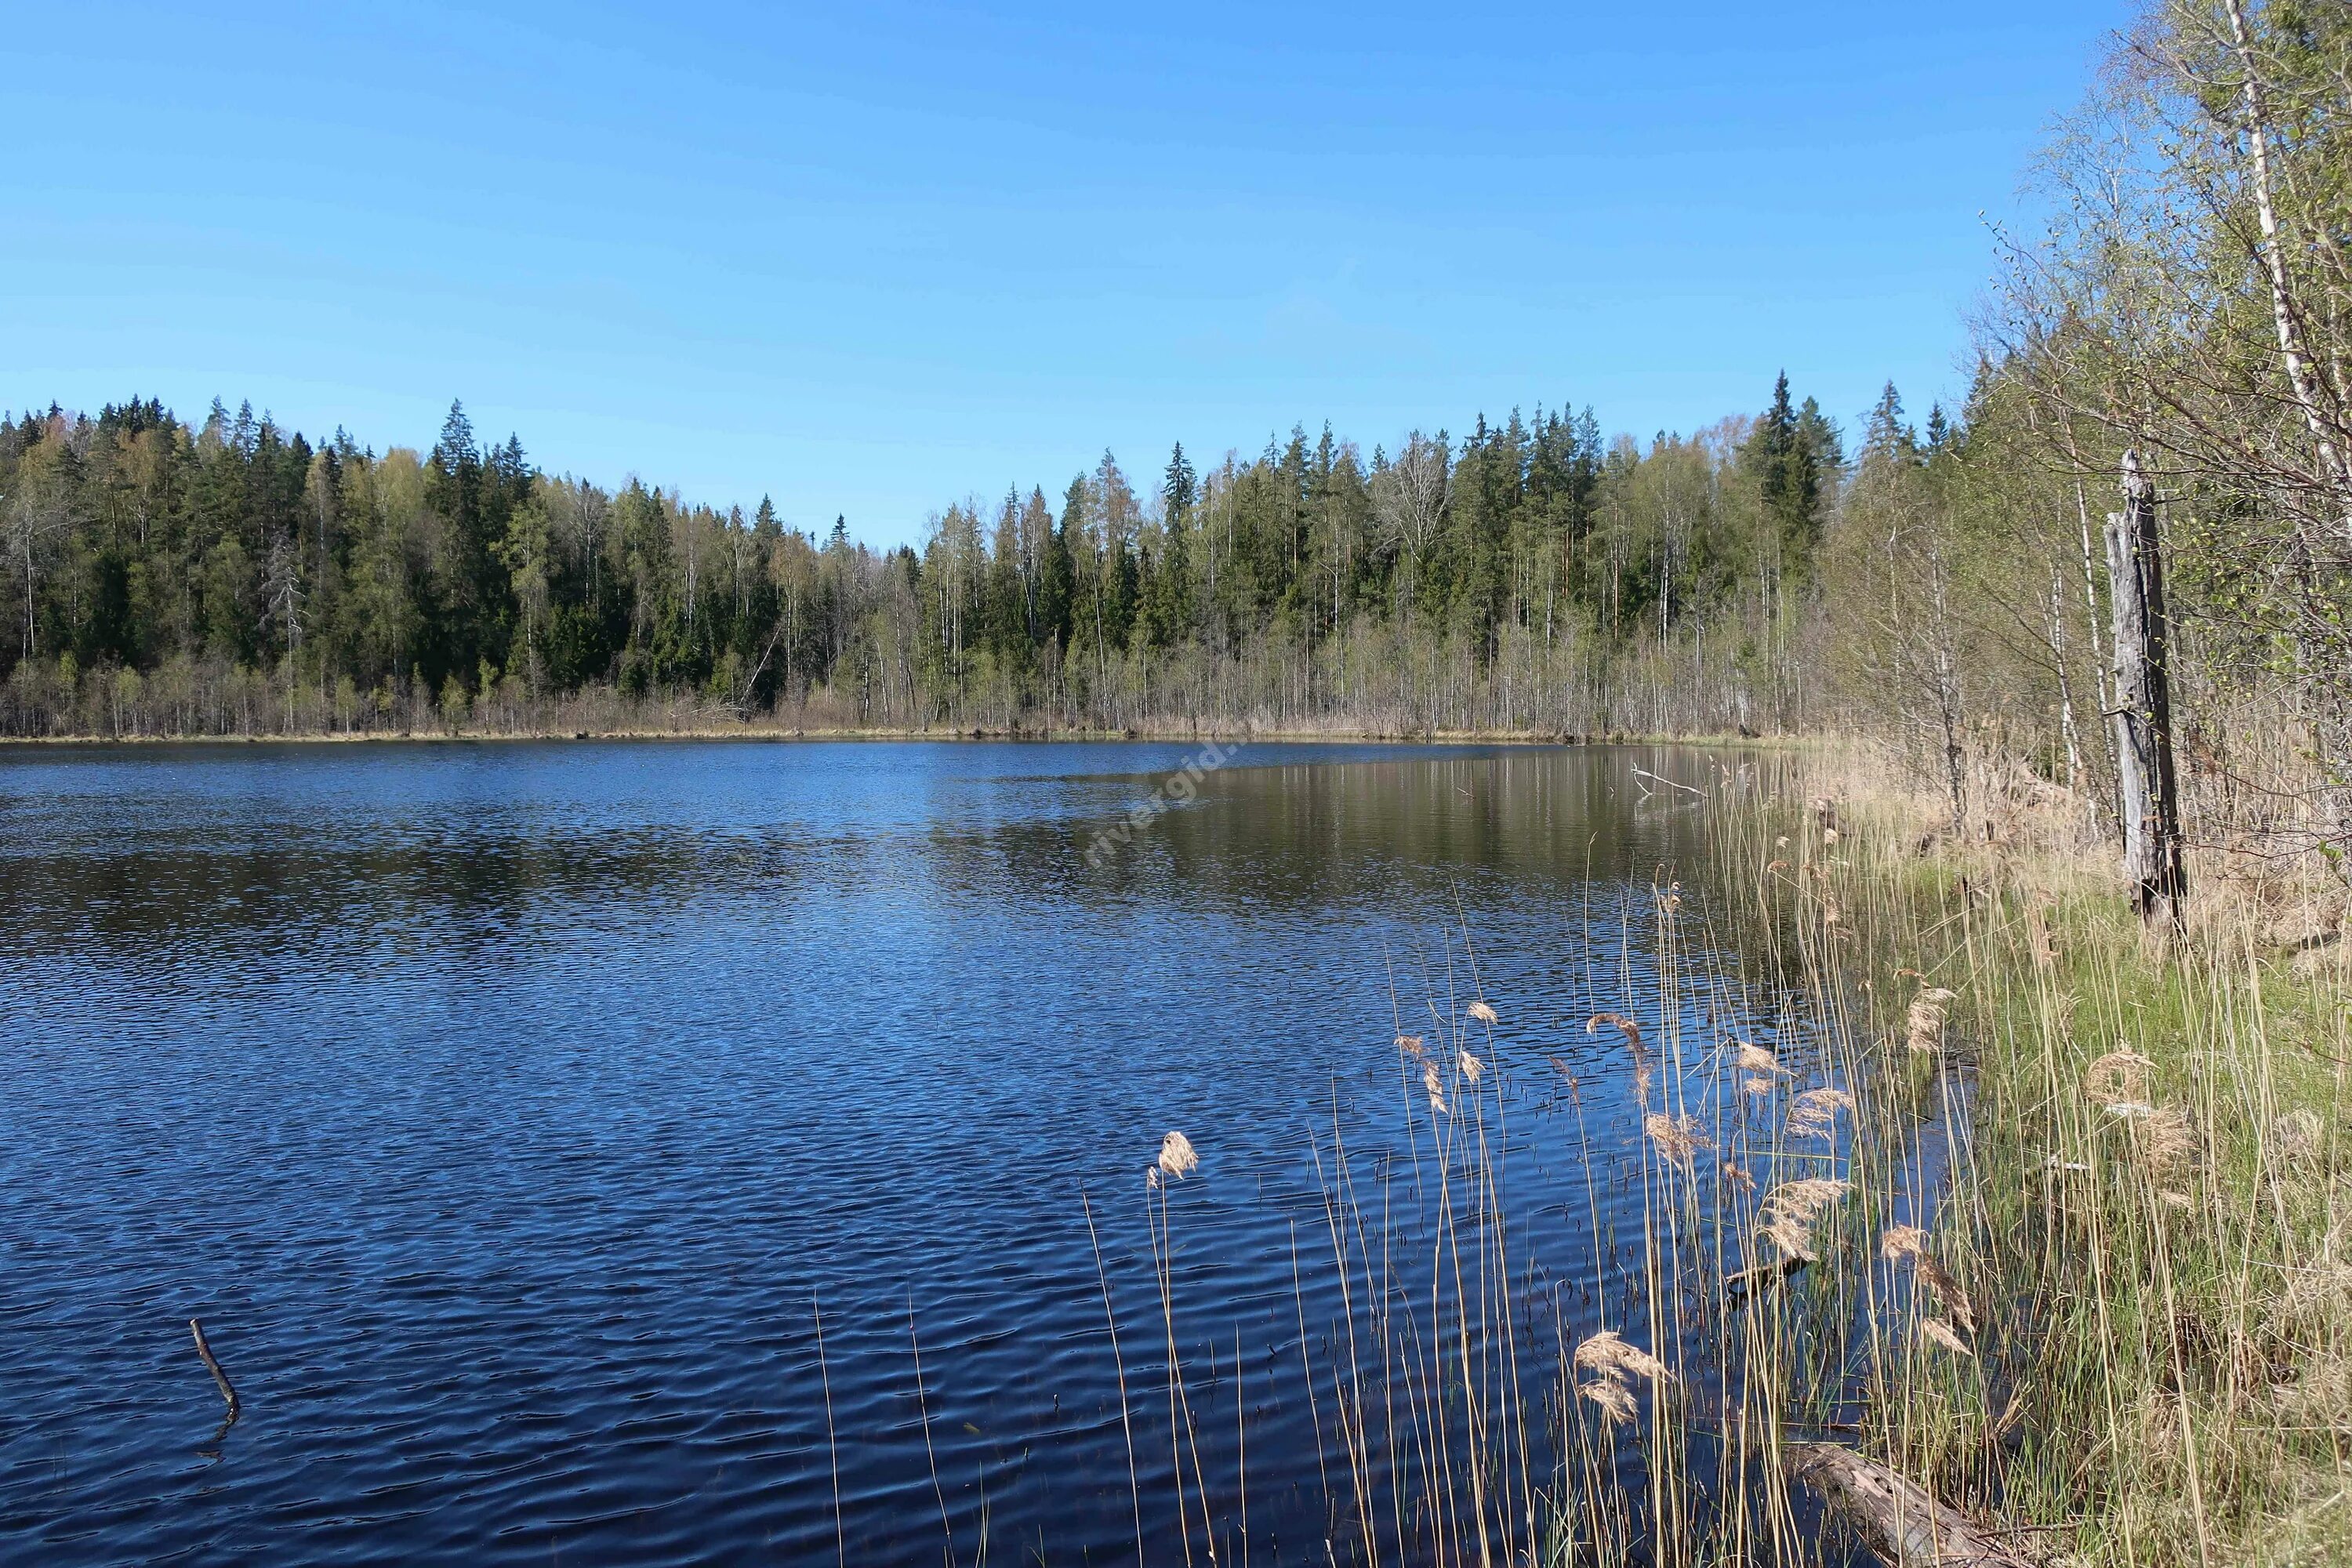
<point>840,1540</point>
<point>1670,783</point>
<point>213,1365</point>
<point>924,1409</point>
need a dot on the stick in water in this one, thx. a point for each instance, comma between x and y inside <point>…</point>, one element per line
<point>212,1364</point>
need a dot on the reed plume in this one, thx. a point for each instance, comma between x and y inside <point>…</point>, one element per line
<point>1940,1333</point>
<point>1679,1140</point>
<point>1786,1215</point>
<point>1607,1353</point>
<point>1925,1022</point>
<point>1624,1026</point>
<point>1483,1013</point>
<point>1178,1158</point>
<point>1910,1241</point>
<point>1759,1065</point>
<point>1616,1401</point>
<point>1813,1114</point>
<point>1613,1365</point>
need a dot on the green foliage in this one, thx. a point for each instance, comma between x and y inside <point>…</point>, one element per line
<point>136,542</point>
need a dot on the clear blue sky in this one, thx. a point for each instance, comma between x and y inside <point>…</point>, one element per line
<point>872,258</point>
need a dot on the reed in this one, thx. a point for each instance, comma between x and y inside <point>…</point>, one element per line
<point>2039,1222</point>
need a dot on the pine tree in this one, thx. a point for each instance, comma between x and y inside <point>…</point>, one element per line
<point>1181,486</point>
<point>1057,581</point>
<point>1789,482</point>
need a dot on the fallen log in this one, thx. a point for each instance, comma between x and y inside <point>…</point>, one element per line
<point>1896,1518</point>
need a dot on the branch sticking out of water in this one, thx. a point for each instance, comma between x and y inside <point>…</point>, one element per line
<point>213,1365</point>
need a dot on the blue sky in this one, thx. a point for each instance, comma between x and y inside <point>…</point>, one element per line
<point>872,259</point>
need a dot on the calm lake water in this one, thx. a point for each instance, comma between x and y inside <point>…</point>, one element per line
<point>509,1113</point>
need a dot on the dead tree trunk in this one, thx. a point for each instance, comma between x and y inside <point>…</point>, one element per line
<point>1948,694</point>
<point>1902,1525</point>
<point>2142,715</point>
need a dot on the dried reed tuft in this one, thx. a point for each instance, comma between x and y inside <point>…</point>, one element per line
<point>2164,1140</point>
<point>1924,1024</point>
<point>1910,1241</point>
<point>1940,1333</point>
<point>1472,1067</point>
<point>1761,1066</point>
<point>1178,1158</point>
<point>1615,1400</point>
<point>1623,1026</point>
<point>2119,1078</point>
<point>1737,1174</point>
<point>1903,1241</point>
<point>1435,1082</point>
<point>1411,1044</point>
<point>1607,1353</point>
<point>1813,1114</point>
<point>1614,1363</point>
<point>1786,1215</point>
<point>1484,1014</point>
<point>1679,1140</point>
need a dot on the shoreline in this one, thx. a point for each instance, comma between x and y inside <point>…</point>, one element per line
<point>1140,735</point>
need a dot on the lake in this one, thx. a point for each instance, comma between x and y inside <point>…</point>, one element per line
<point>514,1116</point>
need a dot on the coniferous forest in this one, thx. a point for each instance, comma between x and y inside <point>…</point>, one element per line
<point>232,576</point>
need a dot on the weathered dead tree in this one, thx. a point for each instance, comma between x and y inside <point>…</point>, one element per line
<point>1896,1518</point>
<point>2149,794</point>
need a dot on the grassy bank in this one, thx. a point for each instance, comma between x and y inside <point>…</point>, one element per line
<point>2045,1214</point>
<point>2150,1221</point>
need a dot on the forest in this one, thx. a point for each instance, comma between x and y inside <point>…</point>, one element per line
<point>2187,300</point>
<point>234,574</point>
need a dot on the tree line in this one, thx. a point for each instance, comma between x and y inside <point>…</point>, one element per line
<point>233,574</point>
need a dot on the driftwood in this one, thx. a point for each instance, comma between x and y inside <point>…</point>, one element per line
<point>1896,1518</point>
<point>213,1365</point>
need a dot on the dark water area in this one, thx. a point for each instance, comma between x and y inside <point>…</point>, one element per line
<point>509,1113</point>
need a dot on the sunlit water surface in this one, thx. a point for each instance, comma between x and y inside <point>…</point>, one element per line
<point>509,1113</point>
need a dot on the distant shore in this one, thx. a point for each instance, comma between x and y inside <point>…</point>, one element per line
<point>773,733</point>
